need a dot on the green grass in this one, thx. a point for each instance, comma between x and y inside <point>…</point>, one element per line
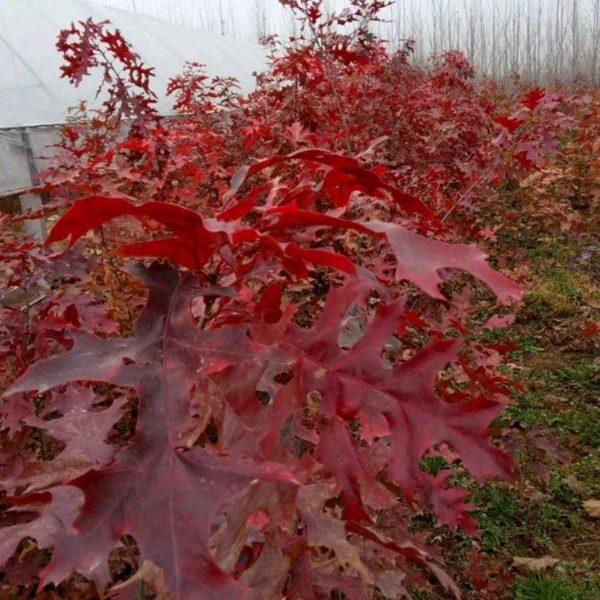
<point>549,251</point>
<point>507,522</point>
<point>539,588</point>
<point>587,472</point>
<point>528,346</point>
<point>562,400</point>
<point>433,465</point>
<point>559,292</point>
<point>557,586</point>
<point>564,282</point>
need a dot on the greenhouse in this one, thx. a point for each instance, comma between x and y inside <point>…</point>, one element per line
<point>34,101</point>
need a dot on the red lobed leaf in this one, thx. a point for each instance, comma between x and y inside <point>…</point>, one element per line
<point>344,172</point>
<point>194,242</point>
<point>533,99</point>
<point>420,258</point>
<point>512,124</point>
<point>355,380</point>
<point>84,433</point>
<point>156,474</point>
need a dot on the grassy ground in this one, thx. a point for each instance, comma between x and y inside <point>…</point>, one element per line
<point>557,366</point>
<point>555,421</point>
<point>553,424</point>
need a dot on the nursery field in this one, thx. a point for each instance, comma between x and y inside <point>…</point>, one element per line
<point>336,340</point>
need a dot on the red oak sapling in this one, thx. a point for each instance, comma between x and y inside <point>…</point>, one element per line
<point>277,444</point>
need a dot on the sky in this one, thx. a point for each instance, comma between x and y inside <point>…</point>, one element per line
<point>500,26</point>
<point>238,16</point>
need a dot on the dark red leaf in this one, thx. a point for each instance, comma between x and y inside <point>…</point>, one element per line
<point>512,124</point>
<point>192,245</point>
<point>284,217</point>
<point>420,258</point>
<point>188,487</point>
<point>356,379</point>
<point>533,99</point>
<point>349,168</point>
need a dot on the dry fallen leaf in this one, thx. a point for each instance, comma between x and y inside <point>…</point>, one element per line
<point>573,482</point>
<point>592,508</point>
<point>590,330</point>
<point>150,574</point>
<point>530,566</point>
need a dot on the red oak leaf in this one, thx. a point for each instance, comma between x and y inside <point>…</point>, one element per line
<point>194,242</point>
<point>156,474</point>
<point>327,531</point>
<point>512,124</point>
<point>354,380</point>
<point>420,258</point>
<point>448,503</point>
<point>345,176</point>
<point>533,99</point>
<point>84,433</point>
<point>57,510</point>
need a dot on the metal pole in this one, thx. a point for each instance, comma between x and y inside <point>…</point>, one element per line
<point>35,228</point>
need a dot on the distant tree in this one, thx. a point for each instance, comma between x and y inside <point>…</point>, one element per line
<point>260,20</point>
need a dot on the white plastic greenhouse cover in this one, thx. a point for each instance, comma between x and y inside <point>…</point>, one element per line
<point>34,100</point>
<point>31,91</point>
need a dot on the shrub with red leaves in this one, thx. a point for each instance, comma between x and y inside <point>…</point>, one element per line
<point>304,342</point>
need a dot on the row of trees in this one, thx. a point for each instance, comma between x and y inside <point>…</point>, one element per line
<point>542,40</point>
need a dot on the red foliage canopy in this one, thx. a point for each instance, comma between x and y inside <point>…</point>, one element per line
<point>284,386</point>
